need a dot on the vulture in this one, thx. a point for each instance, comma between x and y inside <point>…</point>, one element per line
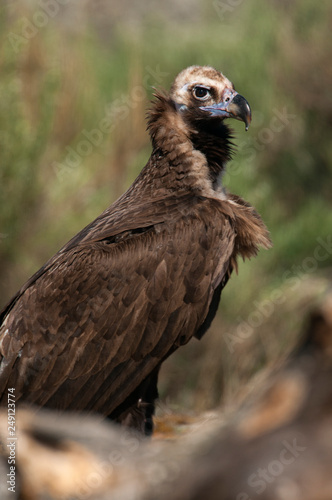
<point>90,330</point>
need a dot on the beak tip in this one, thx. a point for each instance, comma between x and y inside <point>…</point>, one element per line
<point>247,121</point>
<point>241,110</point>
<point>246,115</point>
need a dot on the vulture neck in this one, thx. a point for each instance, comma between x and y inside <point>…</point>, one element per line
<point>195,155</point>
<point>213,139</point>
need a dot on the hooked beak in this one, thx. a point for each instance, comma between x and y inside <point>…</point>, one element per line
<point>233,105</point>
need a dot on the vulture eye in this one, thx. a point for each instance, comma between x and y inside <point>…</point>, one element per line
<point>201,93</point>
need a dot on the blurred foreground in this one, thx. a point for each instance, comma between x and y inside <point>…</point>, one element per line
<point>64,71</point>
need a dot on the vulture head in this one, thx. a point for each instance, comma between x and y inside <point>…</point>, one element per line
<point>203,94</point>
<point>192,117</point>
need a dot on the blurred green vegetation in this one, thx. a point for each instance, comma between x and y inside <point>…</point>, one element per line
<point>63,71</point>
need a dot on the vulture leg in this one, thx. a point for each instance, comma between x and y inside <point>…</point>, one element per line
<point>138,409</point>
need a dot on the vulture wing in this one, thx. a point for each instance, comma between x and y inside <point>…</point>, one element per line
<point>111,305</point>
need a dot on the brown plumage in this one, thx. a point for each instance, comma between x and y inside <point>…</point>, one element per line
<point>91,328</point>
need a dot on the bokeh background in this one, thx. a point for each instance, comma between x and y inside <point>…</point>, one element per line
<point>76,77</point>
